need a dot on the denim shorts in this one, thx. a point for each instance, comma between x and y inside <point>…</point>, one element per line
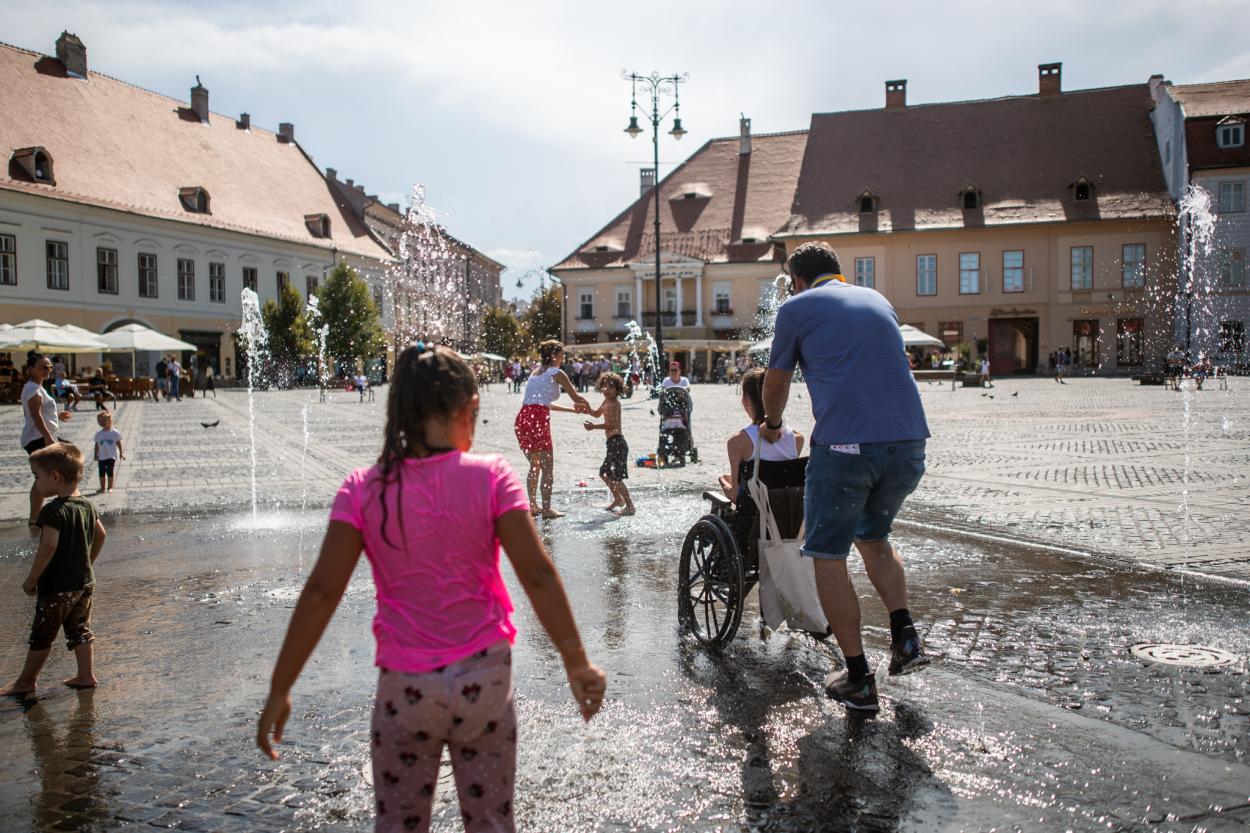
<point>854,497</point>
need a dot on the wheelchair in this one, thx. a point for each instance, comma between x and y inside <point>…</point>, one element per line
<point>720,555</point>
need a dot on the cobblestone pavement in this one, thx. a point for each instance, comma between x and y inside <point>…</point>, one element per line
<point>1036,718</point>
<point>1100,466</point>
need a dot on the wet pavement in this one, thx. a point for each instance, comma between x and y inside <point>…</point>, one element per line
<point>1037,717</point>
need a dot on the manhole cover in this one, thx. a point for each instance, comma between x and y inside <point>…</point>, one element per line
<point>1191,656</point>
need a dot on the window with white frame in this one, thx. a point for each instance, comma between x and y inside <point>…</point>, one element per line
<point>249,277</point>
<point>624,302</point>
<point>670,299</point>
<point>1231,135</point>
<point>866,272</point>
<point>1232,268</point>
<point>310,285</point>
<point>1133,265</point>
<point>283,279</point>
<point>217,283</point>
<point>8,260</point>
<point>1232,197</point>
<point>722,298</point>
<point>926,274</point>
<point>1082,267</point>
<point>969,273</point>
<point>147,275</point>
<point>58,264</point>
<point>1013,271</point>
<point>106,271</point>
<point>585,304</point>
<point>186,279</point>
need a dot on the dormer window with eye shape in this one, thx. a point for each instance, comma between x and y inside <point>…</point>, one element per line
<point>867,202</point>
<point>33,164</point>
<point>692,191</point>
<point>970,198</point>
<point>1082,189</point>
<point>194,199</point>
<point>318,224</point>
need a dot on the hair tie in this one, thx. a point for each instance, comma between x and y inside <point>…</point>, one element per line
<point>420,347</point>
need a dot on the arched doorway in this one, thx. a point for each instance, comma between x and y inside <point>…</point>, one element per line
<point>1013,346</point>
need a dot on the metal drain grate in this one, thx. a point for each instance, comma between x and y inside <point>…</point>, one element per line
<point>1189,656</point>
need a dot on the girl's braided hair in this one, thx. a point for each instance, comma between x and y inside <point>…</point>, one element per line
<point>428,383</point>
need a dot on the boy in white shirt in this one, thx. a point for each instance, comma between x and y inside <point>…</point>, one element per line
<point>108,447</point>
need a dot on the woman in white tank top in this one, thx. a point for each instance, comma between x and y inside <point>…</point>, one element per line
<point>742,445</point>
<point>533,423</point>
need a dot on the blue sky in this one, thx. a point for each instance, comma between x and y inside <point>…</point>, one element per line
<point>511,114</point>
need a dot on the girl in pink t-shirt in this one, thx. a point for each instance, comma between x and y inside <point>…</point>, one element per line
<point>430,518</point>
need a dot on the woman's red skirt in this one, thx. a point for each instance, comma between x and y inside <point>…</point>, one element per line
<point>533,428</point>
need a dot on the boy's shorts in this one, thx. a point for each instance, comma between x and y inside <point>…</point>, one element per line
<point>106,467</point>
<point>72,610</point>
<point>854,497</point>
<point>616,464</point>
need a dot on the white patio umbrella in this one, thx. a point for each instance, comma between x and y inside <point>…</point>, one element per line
<point>38,334</point>
<point>138,338</point>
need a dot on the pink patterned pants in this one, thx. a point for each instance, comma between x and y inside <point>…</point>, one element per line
<point>468,706</point>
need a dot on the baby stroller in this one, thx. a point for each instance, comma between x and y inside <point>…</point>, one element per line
<point>676,435</point>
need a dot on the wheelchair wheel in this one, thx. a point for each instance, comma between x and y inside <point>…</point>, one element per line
<point>711,586</point>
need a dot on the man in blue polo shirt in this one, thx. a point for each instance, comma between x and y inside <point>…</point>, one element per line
<point>867,451</point>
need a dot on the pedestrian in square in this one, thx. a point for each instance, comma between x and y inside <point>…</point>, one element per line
<point>61,576</point>
<point>430,517</point>
<point>986,381</point>
<point>867,452</point>
<point>40,420</point>
<point>615,469</point>
<point>108,447</point>
<point>174,369</point>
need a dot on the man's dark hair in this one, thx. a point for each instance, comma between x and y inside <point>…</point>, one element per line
<point>811,260</point>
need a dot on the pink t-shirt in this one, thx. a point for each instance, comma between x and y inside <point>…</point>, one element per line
<point>440,594</point>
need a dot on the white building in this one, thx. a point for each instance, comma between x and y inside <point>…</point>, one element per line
<point>119,205</point>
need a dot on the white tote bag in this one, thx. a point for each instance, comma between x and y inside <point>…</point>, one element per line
<point>787,579</point>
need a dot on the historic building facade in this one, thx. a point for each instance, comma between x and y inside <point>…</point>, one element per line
<point>1213,312</point>
<point>1010,227</point>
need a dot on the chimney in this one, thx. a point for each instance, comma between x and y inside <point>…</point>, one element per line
<point>286,132</point>
<point>646,180</point>
<point>360,188</point>
<point>199,100</point>
<point>244,122</point>
<point>332,174</point>
<point>351,183</point>
<point>72,54</point>
<point>744,136</point>
<point>393,206</point>
<point>1048,79</point>
<point>896,94</point>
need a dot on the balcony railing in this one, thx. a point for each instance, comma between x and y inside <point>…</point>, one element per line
<point>670,318</point>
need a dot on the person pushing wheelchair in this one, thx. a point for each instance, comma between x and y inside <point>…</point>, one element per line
<point>867,452</point>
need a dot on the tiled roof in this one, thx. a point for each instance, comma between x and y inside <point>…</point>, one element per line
<point>121,147</point>
<point>1221,98</point>
<point>750,197</point>
<point>1023,154</point>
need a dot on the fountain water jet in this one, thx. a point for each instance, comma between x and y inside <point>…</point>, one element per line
<point>256,345</point>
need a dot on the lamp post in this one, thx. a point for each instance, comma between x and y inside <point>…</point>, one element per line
<point>656,85</point>
<point>543,276</point>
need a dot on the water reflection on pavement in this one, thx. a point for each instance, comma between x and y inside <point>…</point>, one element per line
<point>1037,718</point>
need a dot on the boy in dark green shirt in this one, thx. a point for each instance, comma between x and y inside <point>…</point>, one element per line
<point>71,540</point>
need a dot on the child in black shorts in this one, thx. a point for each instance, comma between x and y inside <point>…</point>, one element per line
<point>615,468</point>
<point>61,576</point>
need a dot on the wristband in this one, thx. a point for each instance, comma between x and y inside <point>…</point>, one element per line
<point>770,426</point>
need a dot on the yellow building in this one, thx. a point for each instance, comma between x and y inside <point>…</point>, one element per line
<point>1013,226</point>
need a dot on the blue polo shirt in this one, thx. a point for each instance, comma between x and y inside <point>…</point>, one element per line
<point>847,341</point>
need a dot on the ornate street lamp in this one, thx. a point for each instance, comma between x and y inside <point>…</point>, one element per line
<point>656,86</point>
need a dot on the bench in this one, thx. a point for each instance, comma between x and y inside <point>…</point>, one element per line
<point>933,375</point>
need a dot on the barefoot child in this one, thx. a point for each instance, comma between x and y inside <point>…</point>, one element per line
<point>108,445</point>
<point>61,576</point>
<point>615,468</point>
<point>430,518</point>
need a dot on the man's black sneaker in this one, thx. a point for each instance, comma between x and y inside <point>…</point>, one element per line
<point>860,695</point>
<point>908,655</point>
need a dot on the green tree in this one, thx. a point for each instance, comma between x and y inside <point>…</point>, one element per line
<point>290,338</point>
<point>542,319</point>
<point>348,310</point>
<point>503,334</point>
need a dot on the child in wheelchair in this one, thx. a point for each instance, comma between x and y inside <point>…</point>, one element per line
<point>741,446</point>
